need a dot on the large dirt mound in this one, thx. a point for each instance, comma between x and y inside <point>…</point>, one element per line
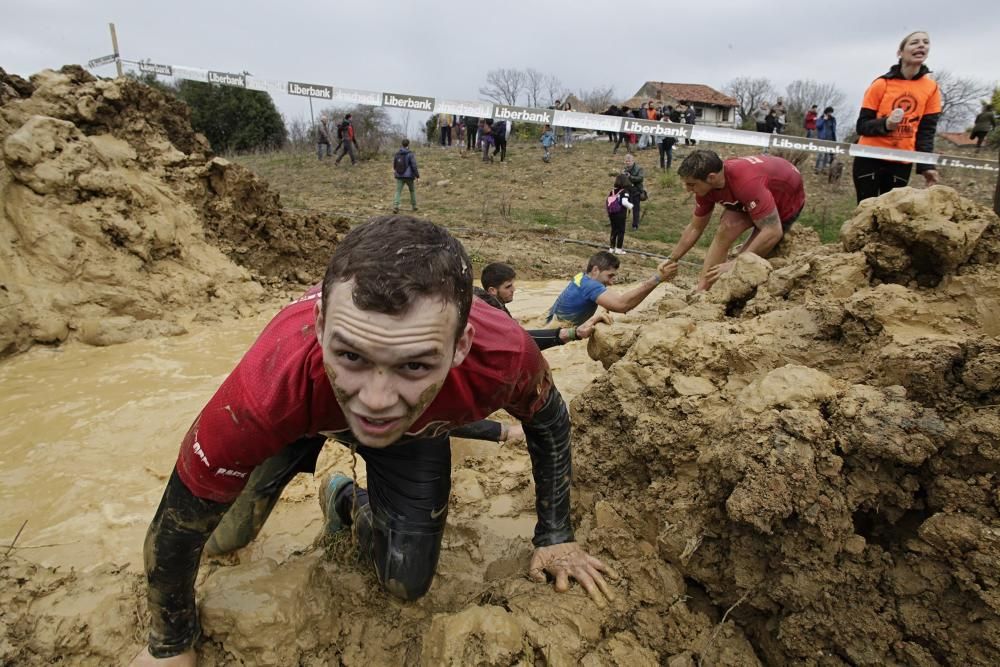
<point>818,446</point>
<point>117,222</point>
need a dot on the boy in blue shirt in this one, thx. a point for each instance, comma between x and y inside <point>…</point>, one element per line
<point>548,140</point>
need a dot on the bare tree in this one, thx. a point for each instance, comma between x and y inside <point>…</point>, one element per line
<point>803,93</point>
<point>749,93</point>
<point>554,89</point>
<point>534,86</point>
<point>504,85</point>
<point>597,99</point>
<point>959,98</point>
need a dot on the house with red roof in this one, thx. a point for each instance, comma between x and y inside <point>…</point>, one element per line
<point>711,106</point>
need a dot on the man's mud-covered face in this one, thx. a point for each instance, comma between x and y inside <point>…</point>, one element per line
<point>386,369</point>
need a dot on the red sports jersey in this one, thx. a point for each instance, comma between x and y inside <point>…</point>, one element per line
<point>757,184</point>
<point>279,393</point>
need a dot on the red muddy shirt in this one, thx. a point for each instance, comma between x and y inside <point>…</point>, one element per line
<point>757,185</point>
<point>279,393</point>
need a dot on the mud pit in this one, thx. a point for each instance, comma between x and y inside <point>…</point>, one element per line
<point>117,223</point>
<point>797,468</point>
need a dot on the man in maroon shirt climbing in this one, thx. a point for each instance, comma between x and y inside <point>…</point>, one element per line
<point>759,192</point>
<point>388,356</point>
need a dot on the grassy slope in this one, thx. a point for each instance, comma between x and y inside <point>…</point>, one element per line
<point>524,196</point>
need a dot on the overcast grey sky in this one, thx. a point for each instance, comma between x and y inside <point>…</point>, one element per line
<point>420,48</point>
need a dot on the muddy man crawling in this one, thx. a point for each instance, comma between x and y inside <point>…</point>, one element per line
<point>389,355</point>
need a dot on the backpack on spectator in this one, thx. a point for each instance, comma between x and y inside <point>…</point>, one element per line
<point>614,202</point>
<point>399,163</point>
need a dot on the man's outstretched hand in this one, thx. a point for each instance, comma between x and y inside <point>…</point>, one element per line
<point>567,560</point>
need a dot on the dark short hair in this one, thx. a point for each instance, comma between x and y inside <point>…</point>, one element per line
<point>496,274</point>
<point>603,260</point>
<point>828,110</point>
<point>395,259</point>
<point>699,164</point>
<point>404,143</point>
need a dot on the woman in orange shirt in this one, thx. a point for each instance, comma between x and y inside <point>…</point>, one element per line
<point>900,110</point>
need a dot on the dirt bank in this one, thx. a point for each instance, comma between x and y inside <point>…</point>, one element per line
<point>118,223</point>
<point>816,445</point>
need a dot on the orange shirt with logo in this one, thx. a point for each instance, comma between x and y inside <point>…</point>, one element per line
<point>916,97</point>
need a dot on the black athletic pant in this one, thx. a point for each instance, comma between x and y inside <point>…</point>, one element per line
<point>636,198</point>
<point>617,230</point>
<point>400,519</point>
<point>470,136</point>
<point>666,151</point>
<point>500,146</point>
<point>446,135</point>
<point>874,177</point>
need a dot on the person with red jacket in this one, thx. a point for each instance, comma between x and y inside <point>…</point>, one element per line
<point>759,192</point>
<point>900,110</point>
<point>348,144</point>
<point>810,121</point>
<point>387,356</point>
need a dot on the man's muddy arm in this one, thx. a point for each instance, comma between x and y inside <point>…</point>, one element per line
<point>690,235</point>
<point>176,537</point>
<point>548,436</point>
<point>484,429</point>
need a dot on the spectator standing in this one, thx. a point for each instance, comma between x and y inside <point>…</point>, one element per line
<point>548,140</point>
<point>567,131</point>
<point>618,206</point>
<point>471,129</point>
<point>810,122</point>
<point>323,137</point>
<point>501,130</point>
<point>613,110</point>
<point>346,142</point>
<point>690,117</point>
<point>900,110</point>
<point>985,122</point>
<point>760,116</point>
<point>486,138</point>
<point>444,125</point>
<point>404,167</point>
<point>826,129</point>
<point>779,115</point>
<point>637,189</point>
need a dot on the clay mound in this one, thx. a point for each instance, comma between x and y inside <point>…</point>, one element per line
<point>114,214</point>
<point>817,449</point>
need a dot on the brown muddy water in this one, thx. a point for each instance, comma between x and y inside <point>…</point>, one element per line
<point>90,436</point>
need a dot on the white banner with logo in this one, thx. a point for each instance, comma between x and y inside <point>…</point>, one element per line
<point>587,121</point>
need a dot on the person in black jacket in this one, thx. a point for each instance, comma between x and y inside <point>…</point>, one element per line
<point>404,167</point>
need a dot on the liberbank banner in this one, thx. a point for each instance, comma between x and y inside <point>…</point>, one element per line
<point>588,121</point>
